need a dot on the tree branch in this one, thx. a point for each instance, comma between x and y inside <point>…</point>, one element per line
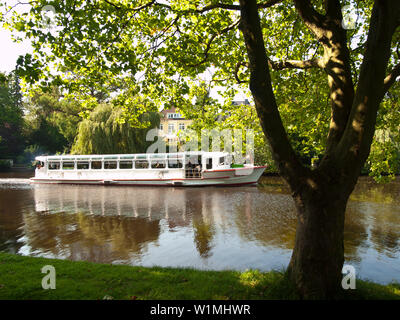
<point>333,9</point>
<point>266,4</point>
<point>148,4</point>
<point>296,64</point>
<point>264,98</point>
<point>235,73</point>
<point>220,6</point>
<point>212,38</point>
<point>355,144</point>
<point>337,64</point>
<point>391,78</point>
<point>312,18</point>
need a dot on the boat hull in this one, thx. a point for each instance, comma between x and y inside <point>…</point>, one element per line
<point>227,177</point>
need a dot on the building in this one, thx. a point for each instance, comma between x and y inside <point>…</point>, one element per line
<point>171,123</point>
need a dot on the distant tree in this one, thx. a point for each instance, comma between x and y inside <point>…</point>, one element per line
<point>11,117</point>
<point>106,131</point>
<point>51,121</point>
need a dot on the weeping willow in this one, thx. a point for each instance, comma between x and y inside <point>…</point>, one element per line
<point>106,131</point>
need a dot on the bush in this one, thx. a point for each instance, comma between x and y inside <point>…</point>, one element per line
<point>5,165</point>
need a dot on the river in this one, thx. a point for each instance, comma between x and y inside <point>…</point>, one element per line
<point>205,228</point>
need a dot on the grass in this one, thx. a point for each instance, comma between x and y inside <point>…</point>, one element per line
<point>21,277</point>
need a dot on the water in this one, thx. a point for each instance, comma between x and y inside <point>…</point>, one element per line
<point>205,228</point>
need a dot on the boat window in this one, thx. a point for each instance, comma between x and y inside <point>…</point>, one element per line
<point>54,165</point>
<point>158,164</point>
<point>157,156</point>
<point>110,164</point>
<point>125,164</point>
<point>82,165</point>
<point>141,164</point>
<point>209,163</point>
<point>193,160</point>
<point>68,165</point>
<point>96,165</point>
<point>175,163</point>
<point>222,160</point>
<point>175,155</point>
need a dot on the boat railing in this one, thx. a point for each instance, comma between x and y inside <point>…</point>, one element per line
<point>193,173</point>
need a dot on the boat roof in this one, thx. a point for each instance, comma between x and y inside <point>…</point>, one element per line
<point>74,157</point>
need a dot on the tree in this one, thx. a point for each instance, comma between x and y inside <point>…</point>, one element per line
<point>51,120</point>
<point>11,117</point>
<point>208,114</point>
<point>297,43</point>
<point>105,131</point>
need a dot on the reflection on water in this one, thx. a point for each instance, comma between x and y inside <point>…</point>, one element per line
<point>206,228</point>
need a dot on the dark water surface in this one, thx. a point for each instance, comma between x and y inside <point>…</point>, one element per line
<point>206,228</point>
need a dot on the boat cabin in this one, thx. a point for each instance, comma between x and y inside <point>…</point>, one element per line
<point>192,163</point>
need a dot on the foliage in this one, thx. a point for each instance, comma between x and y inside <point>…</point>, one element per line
<point>208,114</point>
<point>29,154</point>
<point>5,165</point>
<point>161,49</point>
<point>384,159</point>
<point>106,131</point>
<point>11,117</point>
<point>51,120</point>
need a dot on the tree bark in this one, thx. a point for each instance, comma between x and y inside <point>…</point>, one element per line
<point>318,255</point>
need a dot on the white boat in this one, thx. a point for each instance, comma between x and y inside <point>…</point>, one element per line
<point>156,169</point>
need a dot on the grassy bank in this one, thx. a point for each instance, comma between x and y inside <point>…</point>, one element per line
<point>21,277</point>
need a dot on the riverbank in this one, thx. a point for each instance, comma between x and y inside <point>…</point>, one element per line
<point>21,278</point>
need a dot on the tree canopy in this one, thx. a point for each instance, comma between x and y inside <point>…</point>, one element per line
<point>315,80</point>
<point>106,132</point>
<point>11,117</point>
<point>162,49</point>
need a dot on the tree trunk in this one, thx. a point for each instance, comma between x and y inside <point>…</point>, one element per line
<point>321,195</point>
<point>318,255</point>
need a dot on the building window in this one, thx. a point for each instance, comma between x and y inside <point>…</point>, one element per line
<point>161,127</point>
<point>181,126</point>
<point>174,116</point>
<point>171,128</point>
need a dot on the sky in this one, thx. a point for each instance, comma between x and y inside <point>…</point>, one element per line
<point>10,51</point>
